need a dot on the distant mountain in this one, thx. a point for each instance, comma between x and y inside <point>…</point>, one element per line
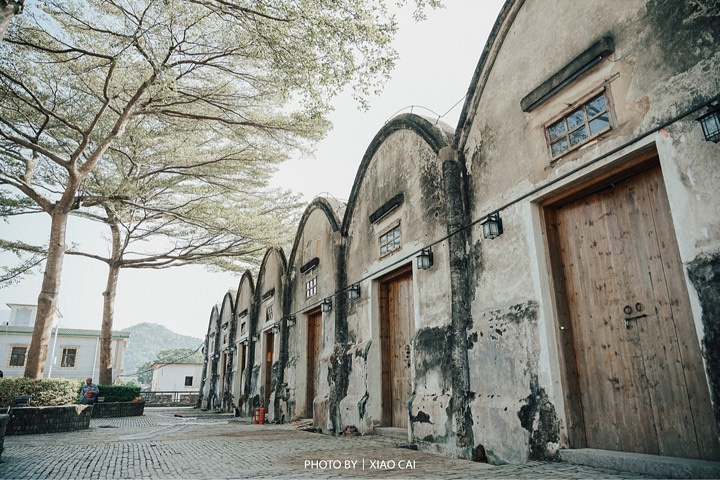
<point>148,339</point>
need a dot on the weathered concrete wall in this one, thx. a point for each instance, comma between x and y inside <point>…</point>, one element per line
<point>314,256</point>
<point>210,396</point>
<point>487,378</point>
<point>401,160</point>
<point>660,68</point>
<point>269,292</point>
<point>225,360</point>
<point>244,312</point>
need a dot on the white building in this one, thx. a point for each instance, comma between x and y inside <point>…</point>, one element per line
<point>176,377</point>
<point>73,353</point>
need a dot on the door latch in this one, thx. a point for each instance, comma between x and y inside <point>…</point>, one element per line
<point>627,310</point>
<point>407,355</point>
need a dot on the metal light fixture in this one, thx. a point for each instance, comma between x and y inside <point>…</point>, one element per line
<point>291,321</point>
<point>326,305</point>
<point>246,341</point>
<point>354,292</point>
<point>711,124</point>
<point>275,328</point>
<point>492,226</point>
<point>254,337</point>
<point>425,259</point>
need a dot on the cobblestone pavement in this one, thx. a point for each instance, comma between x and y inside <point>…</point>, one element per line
<point>210,446</point>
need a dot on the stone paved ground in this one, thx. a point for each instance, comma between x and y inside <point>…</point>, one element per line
<point>208,446</point>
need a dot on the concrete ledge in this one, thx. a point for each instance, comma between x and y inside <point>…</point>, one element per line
<point>4,419</point>
<point>118,409</point>
<point>65,418</point>
<point>653,465</point>
<point>391,432</point>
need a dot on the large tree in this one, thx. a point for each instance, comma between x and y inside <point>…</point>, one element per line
<point>75,74</point>
<point>165,206</point>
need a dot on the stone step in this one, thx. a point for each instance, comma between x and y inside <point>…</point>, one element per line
<point>652,465</point>
<point>391,432</point>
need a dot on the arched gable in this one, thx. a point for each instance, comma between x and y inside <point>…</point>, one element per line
<point>226,310</point>
<point>331,213</point>
<point>482,70</point>
<point>213,320</point>
<point>433,134</point>
<point>263,265</point>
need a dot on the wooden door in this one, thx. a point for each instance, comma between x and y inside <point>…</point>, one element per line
<point>243,357</point>
<point>269,348</point>
<point>396,330</point>
<point>314,345</point>
<point>639,369</point>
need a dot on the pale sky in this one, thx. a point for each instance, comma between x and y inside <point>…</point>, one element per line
<point>437,59</point>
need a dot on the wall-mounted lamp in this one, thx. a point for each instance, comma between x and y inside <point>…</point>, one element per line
<point>711,123</point>
<point>254,337</point>
<point>354,292</point>
<point>425,259</point>
<point>492,226</point>
<point>230,349</point>
<point>246,341</point>
<point>290,321</point>
<point>326,305</point>
<point>275,328</point>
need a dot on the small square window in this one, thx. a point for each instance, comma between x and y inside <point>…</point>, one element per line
<point>269,314</point>
<point>579,126</point>
<point>69,356</point>
<point>311,287</point>
<point>243,326</point>
<point>17,356</point>
<point>389,241</point>
<point>188,381</point>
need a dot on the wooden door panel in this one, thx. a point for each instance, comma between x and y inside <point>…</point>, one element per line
<point>314,345</point>
<point>400,303</point>
<point>673,360</point>
<point>608,364</point>
<point>639,368</point>
<point>396,329</point>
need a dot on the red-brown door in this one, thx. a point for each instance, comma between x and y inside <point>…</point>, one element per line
<point>314,345</point>
<point>396,330</point>
<point>639,368</point>
<point>269,348</point>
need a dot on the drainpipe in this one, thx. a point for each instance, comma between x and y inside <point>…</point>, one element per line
<point>52,355</point>
<point>94,367</point>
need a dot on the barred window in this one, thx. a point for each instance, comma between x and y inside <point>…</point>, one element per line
<point>579,126</point>
<point>390,241</point>
<point>17,356</point>
<point>269,314</point>
<point>311,287</point>
<point>69,356</point>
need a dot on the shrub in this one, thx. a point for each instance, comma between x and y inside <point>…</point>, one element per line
<point>119,393</point>
<point>45,392</point>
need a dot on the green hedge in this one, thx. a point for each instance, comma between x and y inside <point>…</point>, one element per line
<point>45,392</point>
<point>49,392</point>
<point>119,393</point>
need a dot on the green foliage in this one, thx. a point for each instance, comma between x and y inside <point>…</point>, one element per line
<point>45,392</point>
<point>29,258</point>
<point>119,393</point>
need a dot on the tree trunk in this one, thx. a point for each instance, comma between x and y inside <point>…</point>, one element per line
<point>8,9</point>
<point>47,300</point>
<point>106,360</point>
